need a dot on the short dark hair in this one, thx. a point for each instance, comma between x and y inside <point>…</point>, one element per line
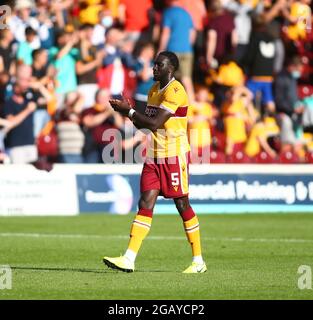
<point>172,57</point>
<point>37,52</point>
<point>294,60</point>
<point>30,31</point>
<point>86,26</point>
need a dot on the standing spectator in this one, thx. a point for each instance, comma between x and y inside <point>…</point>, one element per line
<point>259,62</point>
<point>7,62</point>
<point>42,95</point>
<point>25,48</point>
<point>178,35</point>
<point>96,120</point>
<point>144,73</point>
<point>6,52</point>
<point>243,24</point>
<point>271,14</point>
<point>5,126</point>
<point>86,67</point>
<point>60,10</point>
<point>117,64</point>
<point>105,22</point>
<point>70,136</point>
<point>134,15</point>
<point>39,64</point>
<point>221,36</point>
<point>64,58</point>
<point>46,28</point>
<point>19,110</point>
<point>198,13</point>
<point>21,19</point>
<point>287,104</point>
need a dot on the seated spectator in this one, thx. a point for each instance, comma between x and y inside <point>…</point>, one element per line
<point>201,115</point>
<point>95,121</point>
<point>288,106</point>
<point>238,112</point>
<point>19,109</point>
<point>70,136</point>
<point>25,48</point>
<point>258,137</point>
<point>144,72</point>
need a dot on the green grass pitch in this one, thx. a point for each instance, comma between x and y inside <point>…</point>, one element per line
<point>253,256</point>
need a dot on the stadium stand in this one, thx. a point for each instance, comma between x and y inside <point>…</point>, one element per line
<point>251,61</point>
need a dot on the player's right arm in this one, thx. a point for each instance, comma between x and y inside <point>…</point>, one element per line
<point>141,121</point>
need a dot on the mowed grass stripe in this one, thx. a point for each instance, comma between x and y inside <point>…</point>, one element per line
<point>165,238</point>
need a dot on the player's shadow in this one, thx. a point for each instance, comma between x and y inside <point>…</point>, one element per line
<point>58,269</point>
<point>75,269</point>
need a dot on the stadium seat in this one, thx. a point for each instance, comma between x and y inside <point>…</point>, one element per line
<point>288,157</point>
<point>305,91</point>
<point>309,157</point>
<point>217,156</point>
<point>264,157</point>
<point>239,157</point>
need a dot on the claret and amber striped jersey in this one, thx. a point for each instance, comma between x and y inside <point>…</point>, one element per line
<point>171,139</point>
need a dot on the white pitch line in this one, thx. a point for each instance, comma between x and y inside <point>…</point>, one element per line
<point>94,236</point>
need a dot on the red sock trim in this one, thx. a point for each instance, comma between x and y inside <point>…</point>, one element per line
<point>145,212</point>
<point>188,214</point>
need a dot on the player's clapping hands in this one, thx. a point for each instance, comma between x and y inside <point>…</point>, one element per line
<point>121,106</point>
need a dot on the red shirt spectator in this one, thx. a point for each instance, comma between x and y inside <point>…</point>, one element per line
<point>223,25</point>
<point>134,14</point>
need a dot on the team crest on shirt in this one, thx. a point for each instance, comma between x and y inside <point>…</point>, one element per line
<point>175,188</point>
<point>176,89</point>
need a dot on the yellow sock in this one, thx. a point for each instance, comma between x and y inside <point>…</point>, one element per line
<point>193,234</point>
<point>139,230</point>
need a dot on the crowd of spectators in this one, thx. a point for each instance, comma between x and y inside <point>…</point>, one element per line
<point>246,66</point>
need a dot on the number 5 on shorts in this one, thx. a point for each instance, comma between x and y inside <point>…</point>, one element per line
<point>175,179</point>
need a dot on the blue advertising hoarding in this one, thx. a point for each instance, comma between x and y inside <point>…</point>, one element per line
<point>209,193</point>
